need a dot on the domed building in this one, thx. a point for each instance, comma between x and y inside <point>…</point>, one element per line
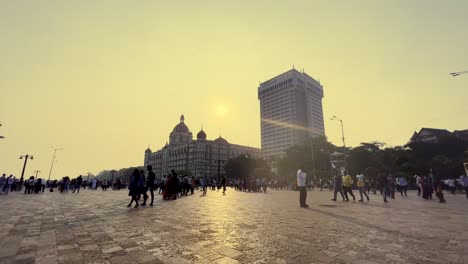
<point>201,156</point>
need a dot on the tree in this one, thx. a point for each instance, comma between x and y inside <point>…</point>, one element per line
<point>317,162</point>
<point>244,167</point>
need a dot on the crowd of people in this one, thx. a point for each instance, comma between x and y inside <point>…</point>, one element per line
<point>31,185</point>
<point>170,186</point>
<point>387,184</point>
<point>173,186</point>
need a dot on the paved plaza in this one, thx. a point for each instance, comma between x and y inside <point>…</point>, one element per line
<point>97,227</point>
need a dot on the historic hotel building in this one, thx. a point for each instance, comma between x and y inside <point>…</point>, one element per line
<point>201,156</point>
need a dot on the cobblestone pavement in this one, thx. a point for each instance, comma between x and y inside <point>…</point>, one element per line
<point>97,227</point>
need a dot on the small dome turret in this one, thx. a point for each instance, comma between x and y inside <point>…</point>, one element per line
<point>221,140</point>
<point>201,135</point>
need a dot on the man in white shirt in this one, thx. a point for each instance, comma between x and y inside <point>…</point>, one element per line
<point>418,183</point>
<point>301,184</point>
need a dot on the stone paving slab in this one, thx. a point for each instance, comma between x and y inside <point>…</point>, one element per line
<point>97,227</point>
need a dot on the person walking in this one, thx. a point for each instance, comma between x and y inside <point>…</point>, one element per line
<point>347,186</point>
<point>437,183</point>
<point>403,185</point>
<point>3,180</point>
<point>392,183</point>
<point>419,184</point>
<point>135,186</point>
<point>204,185</point>
<point>191,181</point>
<point>338,187</point>
<point>361,186</point>
<point>162,185</point>
<point>464,183</point>
<point>150,182</point>
<point>8,183</point>
<point>43,183</point>
<point>223,184</point>
<point>385,186</point>
<point>94,184</point>
<point>451,185</point>
<point>144,189</point>
<point>104,185</point>
<point>301,184</point>
<point>79,181</point>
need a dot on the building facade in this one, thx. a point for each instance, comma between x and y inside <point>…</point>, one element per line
<point>290,110</point>
<point>434,135</point>
<point>202,157</point>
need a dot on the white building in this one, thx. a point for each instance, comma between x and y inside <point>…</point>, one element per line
<point>201,156</point>
<point>290,111</point>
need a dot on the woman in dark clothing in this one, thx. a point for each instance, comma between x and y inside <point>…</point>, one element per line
<point>167,188</point>
<point>135,187</point>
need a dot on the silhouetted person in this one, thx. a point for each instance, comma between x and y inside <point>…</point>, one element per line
<point>143,191</point>
<point>135,187</point>
<point>174,185</point>
<point>3,180</point>
<point>79,181</point>
<point>8,183</point>
<point>223,183</point>
<point>385,186</point>
<point>150,183</point>
<point>437,182</point>
<point>464,183</point>
<point>338,187</point>
<point>301,184</point>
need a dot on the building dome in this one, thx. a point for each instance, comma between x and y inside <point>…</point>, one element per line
<point>181,127</point>
<point>201,135</point>
<point>221,140</point>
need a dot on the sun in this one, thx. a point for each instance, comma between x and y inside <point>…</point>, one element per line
<point>221,110</point>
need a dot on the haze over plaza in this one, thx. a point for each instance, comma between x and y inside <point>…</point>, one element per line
<point>104,80</point>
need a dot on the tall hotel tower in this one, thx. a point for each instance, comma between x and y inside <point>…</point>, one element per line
<point>290,111</point>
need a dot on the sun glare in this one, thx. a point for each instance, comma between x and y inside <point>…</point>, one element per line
<point>222,110</point>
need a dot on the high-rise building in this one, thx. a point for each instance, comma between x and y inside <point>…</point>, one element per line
<point>290,111</point>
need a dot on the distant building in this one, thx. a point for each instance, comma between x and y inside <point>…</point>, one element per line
<point>290,110</point>
<point>201,156</point>
<point>461,134</point>
<point>432,135</point>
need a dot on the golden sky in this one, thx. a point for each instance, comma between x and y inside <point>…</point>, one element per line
<point>105,79</point>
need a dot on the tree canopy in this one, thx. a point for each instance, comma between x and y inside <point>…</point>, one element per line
<point>445,157</point>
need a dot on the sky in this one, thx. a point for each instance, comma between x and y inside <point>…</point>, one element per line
<point>106,79</point>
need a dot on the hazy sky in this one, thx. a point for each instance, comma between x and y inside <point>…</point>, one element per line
<point>105,79</point>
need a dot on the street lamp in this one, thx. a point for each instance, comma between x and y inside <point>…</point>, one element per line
<point>25,157</point>
<point>53,159</point>
<point>342,130</point>
<point>37,171</point>
<point>455,74</point>
<point>112,180</point>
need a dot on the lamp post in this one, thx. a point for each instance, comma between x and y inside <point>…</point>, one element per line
<point>53,159</point>
<point>219,169</point>
<point>37,171</point>
<point>25,157</point>
<point>342,130</point>
<point>112,180</point>
<point>455,74</point>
